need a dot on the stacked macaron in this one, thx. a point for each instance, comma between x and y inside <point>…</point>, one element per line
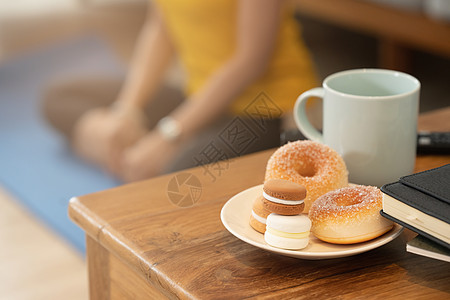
<point>284,197</point>
<point>286,226</point>
<point>259,215</point>
<point>287,232</point>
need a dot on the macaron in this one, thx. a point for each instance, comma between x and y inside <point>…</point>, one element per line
<point>259,215</point>
<point>287,232</point>
<point>284,197</point>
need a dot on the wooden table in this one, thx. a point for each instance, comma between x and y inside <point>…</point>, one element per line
<point>140,245</point>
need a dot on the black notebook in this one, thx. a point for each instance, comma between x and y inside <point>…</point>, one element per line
<point>422,246</point>
<point>434,182</point>
<point>421,202</point>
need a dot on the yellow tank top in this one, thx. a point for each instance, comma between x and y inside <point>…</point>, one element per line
<point>203,32</point>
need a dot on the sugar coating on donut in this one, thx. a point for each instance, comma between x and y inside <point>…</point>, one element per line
<point>346,204</point>
<point>316,166</point>
<point>349,215</point>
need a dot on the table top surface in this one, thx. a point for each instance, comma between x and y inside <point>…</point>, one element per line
<point>185,251</point>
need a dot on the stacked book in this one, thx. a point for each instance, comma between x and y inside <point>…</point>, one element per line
<point>421,203</point>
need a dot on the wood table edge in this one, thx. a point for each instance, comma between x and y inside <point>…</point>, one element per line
<point>103,235</point>
<point>85,219</point>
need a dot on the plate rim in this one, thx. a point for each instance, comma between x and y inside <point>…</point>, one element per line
<point>365,246</point>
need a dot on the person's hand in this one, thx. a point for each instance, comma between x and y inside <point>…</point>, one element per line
<point>148,157</point>
<point>101,135</point>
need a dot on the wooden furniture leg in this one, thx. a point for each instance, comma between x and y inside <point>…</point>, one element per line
<point>98,268</point>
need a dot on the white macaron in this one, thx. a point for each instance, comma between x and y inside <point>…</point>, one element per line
<point>287,232</point>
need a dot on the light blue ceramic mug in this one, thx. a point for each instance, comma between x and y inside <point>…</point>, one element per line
<point>370,119</point>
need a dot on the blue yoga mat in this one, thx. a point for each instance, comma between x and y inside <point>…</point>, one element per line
<point>36,165</point>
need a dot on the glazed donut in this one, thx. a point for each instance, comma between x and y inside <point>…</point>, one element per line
<point>349,215</point>
<point>314,165</point>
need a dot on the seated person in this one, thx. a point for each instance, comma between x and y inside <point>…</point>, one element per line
<point>245,66</point>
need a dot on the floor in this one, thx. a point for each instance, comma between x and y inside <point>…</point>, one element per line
<point>35,263</point>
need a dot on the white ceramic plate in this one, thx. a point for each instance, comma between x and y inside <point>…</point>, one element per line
<point>235,217</point>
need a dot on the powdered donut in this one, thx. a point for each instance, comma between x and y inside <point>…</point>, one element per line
<point>349,215</point>
<point>314,165</point>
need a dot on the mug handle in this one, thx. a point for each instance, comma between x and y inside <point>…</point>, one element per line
<point>300,118</point>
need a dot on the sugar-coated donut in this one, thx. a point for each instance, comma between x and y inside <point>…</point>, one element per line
<point>283,197</point>
<point>287,232</point>
<point>314,165</point>
<point>349,215</point>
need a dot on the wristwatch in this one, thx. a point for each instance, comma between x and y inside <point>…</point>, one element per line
<point>169,128</point>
